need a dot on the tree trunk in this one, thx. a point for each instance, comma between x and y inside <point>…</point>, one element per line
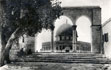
<point>5,52</point>
<point>2,21</point>
<point>2,49</point>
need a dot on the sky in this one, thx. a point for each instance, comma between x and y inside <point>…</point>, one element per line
<point>84,31</point>
<point>104,4</point>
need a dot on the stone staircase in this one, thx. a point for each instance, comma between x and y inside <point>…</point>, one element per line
<point>64,58</point>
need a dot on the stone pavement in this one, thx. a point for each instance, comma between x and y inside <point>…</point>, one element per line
<point>57,61</point>
<point>55,66</point>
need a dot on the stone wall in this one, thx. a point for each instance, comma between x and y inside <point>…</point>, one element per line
<point>27,42</point>
<point>14,51</point>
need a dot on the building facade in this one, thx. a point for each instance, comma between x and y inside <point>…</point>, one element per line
<point>24,44</point>
<point>64,43</point>
<point>107,38</point>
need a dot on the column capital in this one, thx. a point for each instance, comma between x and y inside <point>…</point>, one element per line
<point>74,27</point>
<point>52,27</point>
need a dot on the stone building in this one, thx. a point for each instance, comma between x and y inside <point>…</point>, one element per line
<point>25,43</point>
<point>14,50</point>
<point>107,38</point>
<point>64,43</point>
<point>29,43</point>
<point>94,14</point>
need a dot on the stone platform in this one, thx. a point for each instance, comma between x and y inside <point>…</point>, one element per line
<point>64,58</point>
<point>60,61</point>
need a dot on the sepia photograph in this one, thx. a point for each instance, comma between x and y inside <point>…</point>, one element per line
<point>55,34</point>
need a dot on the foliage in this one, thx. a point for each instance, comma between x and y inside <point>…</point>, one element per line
<point>30,15</point>
<point>25,17</point>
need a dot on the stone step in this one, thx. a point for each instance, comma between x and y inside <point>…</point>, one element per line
<point>65,55</point>
<point>68,61</point>
<point>65,58</point>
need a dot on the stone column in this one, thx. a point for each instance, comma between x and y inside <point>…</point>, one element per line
<point>96,31</point>
<point>52,38</point>
<point>74,38</point>
<point>96,39</point>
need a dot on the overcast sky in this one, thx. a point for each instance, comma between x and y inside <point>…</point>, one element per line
<point>84,31</point>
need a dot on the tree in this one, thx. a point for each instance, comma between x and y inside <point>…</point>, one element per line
<point>25,17</point>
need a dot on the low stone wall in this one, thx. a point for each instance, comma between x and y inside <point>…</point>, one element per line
<point>13,54</point>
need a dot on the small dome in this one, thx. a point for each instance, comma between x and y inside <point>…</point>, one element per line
<point>63,28</point>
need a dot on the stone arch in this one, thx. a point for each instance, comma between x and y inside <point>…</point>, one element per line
<point>86,16</point>
<point>84,30</point>
<point>94,14</point>
<point>53,38</point>
<point>84,22</point>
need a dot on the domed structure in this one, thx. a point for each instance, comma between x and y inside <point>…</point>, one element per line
<point>63,43</point>
<point>63,28</point>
